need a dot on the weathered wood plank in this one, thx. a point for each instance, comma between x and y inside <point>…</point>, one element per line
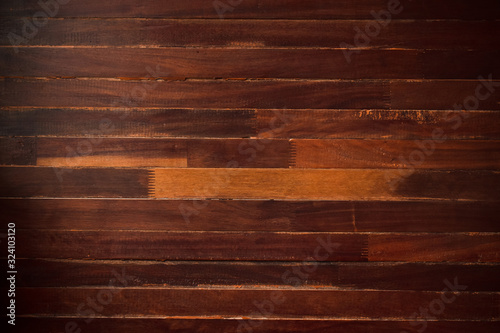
<point>263,246</point>
<point>286,124</point>
<point>325,184</point>
<point>384,276</point>
<point>65,182</point>
<point>211,63</point>
<point>247,63</point>
<point>420,154</point>
<point>190,246</point>
<point>328,304</point>
<point>253,215</point>
<point>126,120</point>
<point>131,325</point>
<point>18,151</point>
<point>327,9</point>
<point>195,94</point>
<point>446,95</point>
<point>379,124</point>
<point>420,35</point>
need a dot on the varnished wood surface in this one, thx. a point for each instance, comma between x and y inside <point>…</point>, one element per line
<point>252,166</point>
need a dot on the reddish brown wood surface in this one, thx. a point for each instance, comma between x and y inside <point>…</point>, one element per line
<point>252,166</point>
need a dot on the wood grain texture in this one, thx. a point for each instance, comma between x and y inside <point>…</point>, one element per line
<point>125,119</point>
<point>247,63</point>
<point>217,153</point>
<point>263,246</point>
<point>264,326</point>
<point>253,215</point>
<point>66,182</point>
<point>323,184</point>
<point>142,245</point>
<point>379,124</point>
<point>340,275</point>
<point>329,9</point>
<point>233,302</point>
<point>304,124</point>
<point>420,154</point>
<point>196,94</point>
<point>252,166</point>
<point>416,35</point>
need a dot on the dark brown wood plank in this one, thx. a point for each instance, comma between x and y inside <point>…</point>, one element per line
<point>126,120</point>
<point>329,9</point>
<point>196,94</point>
<point>130,325</point>
<point>384,276</point>
<point>420,154</point>
<point>253,215</point>
<point>325,184</point>
<point>327,304</point>
<point>446,95</point>
<point>189,245</point>
<point>440,35</point>
<point>440,64</point>
<point>65,182</point>
<point>247,63</point>
<point>18,151</point>
<point>267,246</point>
<point>435,247</point>
<point>111,152</point>
<point>247,153</point>
<point>213,63</point>
<point>339,124</point>
<point>376,124</point>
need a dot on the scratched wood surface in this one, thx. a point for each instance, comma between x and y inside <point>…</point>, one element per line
<point>252,166</point>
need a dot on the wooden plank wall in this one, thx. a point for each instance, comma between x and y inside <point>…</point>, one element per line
<point>252,166</point>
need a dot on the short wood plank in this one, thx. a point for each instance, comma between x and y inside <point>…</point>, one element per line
<point>419,154</point>
<point>325,184</point>
<point>18,151</point>
<point>70,183</point>
<point>126,120</point>
<point>385,276</point>
<point>377,124</point>
<point>483,94</point>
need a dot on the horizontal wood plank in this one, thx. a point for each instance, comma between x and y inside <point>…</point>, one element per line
<point>253,215</point>
<point>378,124</point>
<point>195,94</point>
<point>324,184</point>
<point>241,302</point>
<point>126,120</point>
<point>425,247</point>
<point>419,35</point>
<point>420,154</point>
<point>66,182</point>
<point>247,63</point>
<point>286,124</point>
<point>329,9</point>
<point>355,275</point>
<point>218,153</point>
<point>115,325</point>
<point>190,246</point>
